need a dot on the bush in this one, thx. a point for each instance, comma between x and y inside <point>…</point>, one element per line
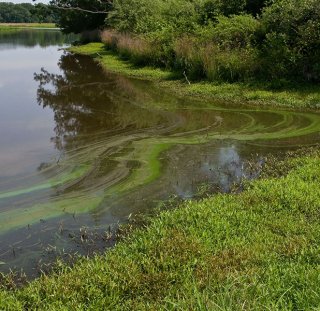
<point>213,8</point>
<point>237,31</point>
<point>220,52</point>
<point>144,16</point>
<point>136,16</point>
<point>292,42</point>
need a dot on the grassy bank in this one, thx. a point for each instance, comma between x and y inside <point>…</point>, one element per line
<point>257,250</point>
<point>11,26</point>
<point>297,97</point>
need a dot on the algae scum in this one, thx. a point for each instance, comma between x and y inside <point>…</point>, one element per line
<point>83,148</point>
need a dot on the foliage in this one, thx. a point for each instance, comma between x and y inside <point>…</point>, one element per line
<point>220,52</point>
<point>227,40</point>
<point>292,38</point>
<point>236,31</point>
<point>139,50</point>
<point>214,8</point>
<point>149,16</point>
<point>211,9</point>
<point>26,13</point>
<point>77,16</point>
<point>256,249</point>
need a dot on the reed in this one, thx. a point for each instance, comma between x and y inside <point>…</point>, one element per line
<point>188,53</point>
<point>138,49</point>
<point>208,60</point>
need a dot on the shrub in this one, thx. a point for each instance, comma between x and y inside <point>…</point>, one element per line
<point>137,16</point>
<point>237,31</point>
<point>292,38</point>
<point>144,16</point>
<point>220,52</point>
<point>213,8</point>
<point>205,38</point>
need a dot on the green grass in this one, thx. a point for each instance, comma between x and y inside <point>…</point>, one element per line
<point>113,63</point>
<point>258,250</point>
<point>295,96</point>
<point>12,26</point>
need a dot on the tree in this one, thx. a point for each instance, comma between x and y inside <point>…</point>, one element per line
<point>26,13</point>
<point>76,100</point>
<point>81,15</point>
<point>15,13</point>
<point>255,7</point>
<point>213,8</point>
<point>43,13</point>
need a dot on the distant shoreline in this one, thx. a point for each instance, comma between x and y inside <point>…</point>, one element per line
<point>28,25</point>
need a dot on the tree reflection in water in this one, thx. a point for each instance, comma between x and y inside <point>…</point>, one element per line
<point>33,37</point>
<point>86,101</point>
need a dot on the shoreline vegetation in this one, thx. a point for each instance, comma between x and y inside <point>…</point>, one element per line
<point>262,52</point>
<point>255,250</point>
<point>295,96</point>
<point>18,26</point>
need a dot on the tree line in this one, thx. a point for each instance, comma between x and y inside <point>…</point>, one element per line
<point>27,13</point>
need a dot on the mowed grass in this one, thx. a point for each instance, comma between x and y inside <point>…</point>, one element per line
<point>295,96</point>
<point>258,250</point>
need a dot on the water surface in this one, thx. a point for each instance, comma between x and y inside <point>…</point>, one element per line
<point>82,149</point>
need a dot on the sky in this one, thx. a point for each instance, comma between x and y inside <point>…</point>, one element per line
<point>25,1</point>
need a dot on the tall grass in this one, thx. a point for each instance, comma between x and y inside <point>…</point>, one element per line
<point>193,56</point>
<point>138,49</point>
<point>211,61</point>
<point>189,56</point>
<point>220,51</point>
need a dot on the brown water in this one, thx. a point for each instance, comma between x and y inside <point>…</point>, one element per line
<point>82,149</point>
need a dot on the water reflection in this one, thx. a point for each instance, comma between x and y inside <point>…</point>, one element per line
<point>15,38</point>
<point>85,101</point>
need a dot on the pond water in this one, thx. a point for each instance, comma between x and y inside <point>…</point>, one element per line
<point>82,149</point>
